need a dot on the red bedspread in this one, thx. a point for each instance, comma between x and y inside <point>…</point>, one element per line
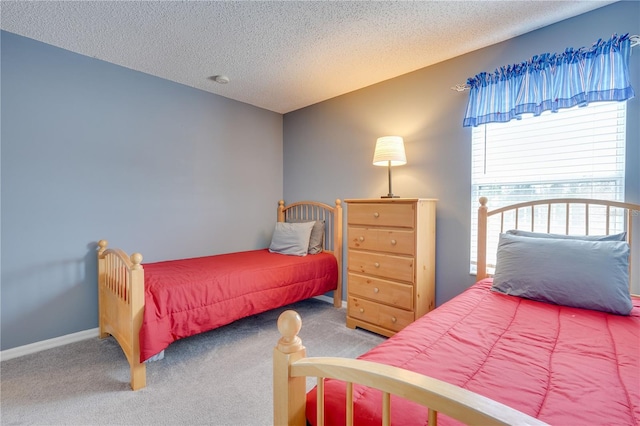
<point>565,366</point>
<point>190,296</point>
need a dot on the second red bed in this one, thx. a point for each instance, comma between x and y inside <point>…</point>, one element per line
<point>539,358</point>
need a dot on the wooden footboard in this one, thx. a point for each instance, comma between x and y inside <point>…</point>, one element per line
<point>291,367</point>
<point>121,304</point>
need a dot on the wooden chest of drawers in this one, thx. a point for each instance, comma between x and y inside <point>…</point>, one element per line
<point>390,262</point>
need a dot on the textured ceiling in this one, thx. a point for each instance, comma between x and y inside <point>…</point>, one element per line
<point>280,55</point>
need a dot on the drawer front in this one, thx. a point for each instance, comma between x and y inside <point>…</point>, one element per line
<point>382,315</point>
<point>381,265</point>
<point>387,240</point>
<point>382,214</point>
<point>389,292</point>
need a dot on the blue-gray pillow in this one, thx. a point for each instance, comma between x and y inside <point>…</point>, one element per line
<point>316,239</point>
<point>582,274</point>
<point>613,237</point>
<point>291,238</point>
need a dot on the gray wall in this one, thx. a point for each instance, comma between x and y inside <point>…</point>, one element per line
<point>328,147</point>
<point>91,150</point>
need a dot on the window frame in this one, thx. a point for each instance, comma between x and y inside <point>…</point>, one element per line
<point>500,190</point>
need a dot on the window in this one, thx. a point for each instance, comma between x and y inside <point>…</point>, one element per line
<point>573,153</point>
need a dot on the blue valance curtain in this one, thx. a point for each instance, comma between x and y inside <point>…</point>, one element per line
<point>551,81</point>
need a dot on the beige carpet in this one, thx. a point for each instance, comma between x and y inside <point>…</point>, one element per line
<point>222,377</point>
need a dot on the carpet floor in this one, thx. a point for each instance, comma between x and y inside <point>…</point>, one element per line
<point>222,377</point>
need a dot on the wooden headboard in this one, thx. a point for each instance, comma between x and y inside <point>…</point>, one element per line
<point>332,217</point>
<point>596,217</point>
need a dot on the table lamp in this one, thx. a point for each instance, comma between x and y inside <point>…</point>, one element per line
<point>389,152</point>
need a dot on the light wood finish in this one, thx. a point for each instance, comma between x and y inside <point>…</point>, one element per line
<point>390,262</point>
<point>289,397</point>
<point>121,304</point>
<point>121,282</point>
<point>380,290</point>
<point>291,367</point>
<point>627,211</point>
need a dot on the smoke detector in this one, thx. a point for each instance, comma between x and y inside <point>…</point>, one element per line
<point>221,79</point>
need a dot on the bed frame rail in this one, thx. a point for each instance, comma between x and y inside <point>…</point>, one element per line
<point>121,304</point>
<point>291,367</point>
<point>332,217</point>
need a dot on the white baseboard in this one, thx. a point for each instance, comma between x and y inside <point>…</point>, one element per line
<point>48,344</point>
<point>81,335</point>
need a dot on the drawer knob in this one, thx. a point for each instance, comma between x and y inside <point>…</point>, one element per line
<point>377,264</point>
<point>376,290</point>
<point>361,310</point>
<point>394,319</point>
<point>361,238</point>
<point>394,242</point>
<point>376,214</point>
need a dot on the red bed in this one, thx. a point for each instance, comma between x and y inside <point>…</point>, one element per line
<point>539,358</point>
<point>552,337</point>
<point>147,306</point>
<point>190,296</point>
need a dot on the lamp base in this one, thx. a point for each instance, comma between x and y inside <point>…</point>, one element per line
<point>390,196</point>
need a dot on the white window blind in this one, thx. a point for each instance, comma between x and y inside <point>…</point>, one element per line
<point>573,153</point>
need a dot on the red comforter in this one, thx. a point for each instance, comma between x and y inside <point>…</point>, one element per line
<point>190,296</point>
<point>565,366</point>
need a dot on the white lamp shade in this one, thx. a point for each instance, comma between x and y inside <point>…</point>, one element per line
<point>389,151</point>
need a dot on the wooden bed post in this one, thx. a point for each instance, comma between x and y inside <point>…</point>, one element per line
<point>102,246</point>
<point>281,217</point>
<point>337,249</point>
<point>481,263</point>
<point>138,369</point>
<point>289,393</point>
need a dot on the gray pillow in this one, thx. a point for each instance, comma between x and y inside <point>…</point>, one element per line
<point>582,274</point>
<point>317,235</point>
<point>614,237</point>
<point>291,238</point>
